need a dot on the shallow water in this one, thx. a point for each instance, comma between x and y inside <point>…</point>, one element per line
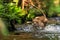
<point>51,31</point>
<point>27,32</point>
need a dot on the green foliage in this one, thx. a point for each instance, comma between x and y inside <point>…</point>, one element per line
<point>11,12</point>
<point>4,29</point>
<point>51,9</point>
<point>32,13</point>
<point>57,9</point>
<point>54,11</point>
<point>22,13</point>
<point>51,12</point>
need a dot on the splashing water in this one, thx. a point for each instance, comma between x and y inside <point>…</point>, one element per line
<point>52,28</point>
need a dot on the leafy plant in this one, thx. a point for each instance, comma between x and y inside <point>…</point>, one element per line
<point>32,13</point>
<point>49,7</point>
<point>57,9</point>
<point>4,29</point>
<point>54,11</point>
<point>11,12</point>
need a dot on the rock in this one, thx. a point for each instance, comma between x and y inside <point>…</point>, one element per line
<point>54,20</point>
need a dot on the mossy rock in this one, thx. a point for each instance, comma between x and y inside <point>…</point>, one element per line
<point>3,28</point>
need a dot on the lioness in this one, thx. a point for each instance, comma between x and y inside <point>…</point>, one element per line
<point>40,21</point>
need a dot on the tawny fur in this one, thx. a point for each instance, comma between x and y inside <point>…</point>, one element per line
<point>40,21</point>
<point>27,3</point>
